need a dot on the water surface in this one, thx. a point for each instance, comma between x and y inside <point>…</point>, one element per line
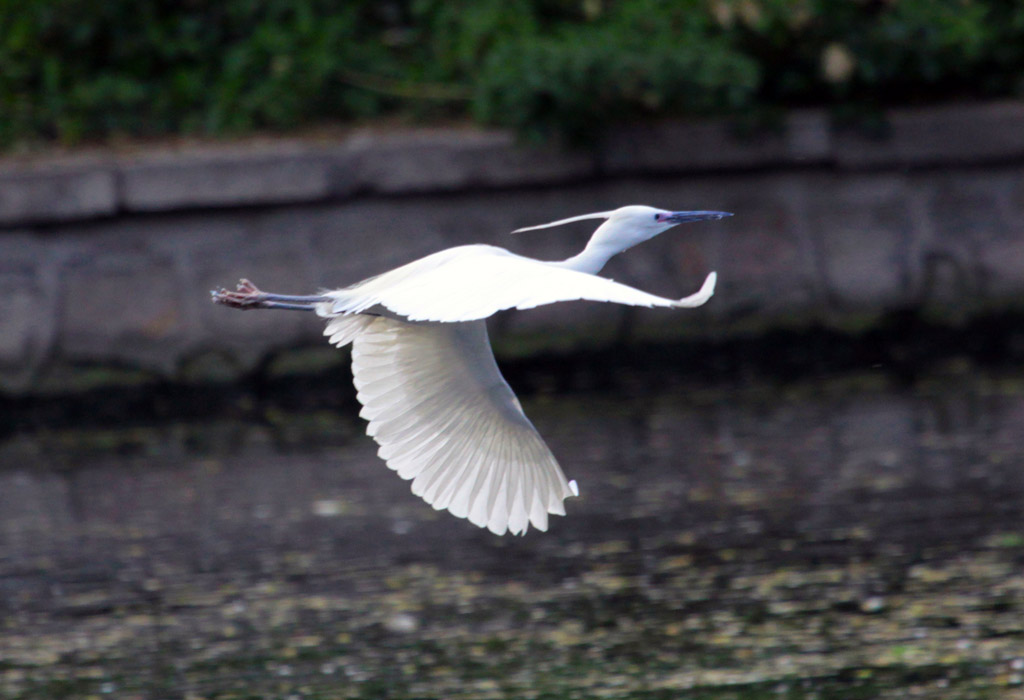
<point>847,536</point>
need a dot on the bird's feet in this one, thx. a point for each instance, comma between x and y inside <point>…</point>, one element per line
<point>245,296</point>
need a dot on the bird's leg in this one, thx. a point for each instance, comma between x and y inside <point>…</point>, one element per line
<point>248,296</point>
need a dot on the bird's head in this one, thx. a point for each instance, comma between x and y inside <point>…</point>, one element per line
<point>627,226</point>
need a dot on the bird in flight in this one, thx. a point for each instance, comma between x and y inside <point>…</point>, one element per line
<point>435,402</point>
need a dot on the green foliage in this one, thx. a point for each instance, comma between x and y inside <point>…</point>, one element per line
<point>900,51</point>
<point>74,68</point>
<point>84,69</point>
<point>644,57</point>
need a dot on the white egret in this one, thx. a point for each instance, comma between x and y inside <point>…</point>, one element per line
<point>437,406</point>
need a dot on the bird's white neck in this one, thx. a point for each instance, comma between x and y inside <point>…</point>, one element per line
<point>611,238</point>
<point>591,259</point>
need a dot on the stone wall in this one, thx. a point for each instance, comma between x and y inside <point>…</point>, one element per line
<point>107,258</point>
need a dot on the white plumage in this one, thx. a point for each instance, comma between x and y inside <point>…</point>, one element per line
<point>445,418</point>
<point>423,290</point>
<point>435,402</point>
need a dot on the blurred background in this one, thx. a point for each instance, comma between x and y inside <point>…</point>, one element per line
<point>811,487</point>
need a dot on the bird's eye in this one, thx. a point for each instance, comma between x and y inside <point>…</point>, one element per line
<point>657,217</point>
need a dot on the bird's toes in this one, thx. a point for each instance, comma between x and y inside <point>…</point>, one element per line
<point>246,287</point>
<point>232,299</point>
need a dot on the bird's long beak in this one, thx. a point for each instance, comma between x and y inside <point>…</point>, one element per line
<point>682,217</point>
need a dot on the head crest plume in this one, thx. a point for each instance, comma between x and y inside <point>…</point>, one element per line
<point>571,219</point>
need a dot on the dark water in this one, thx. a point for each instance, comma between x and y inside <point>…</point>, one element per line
<point>846,536</point>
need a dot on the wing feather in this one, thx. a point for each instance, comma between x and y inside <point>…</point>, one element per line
<point>341,330</point>
<point>445,418</point>
<point>462,473</point>
<point>472,282</point>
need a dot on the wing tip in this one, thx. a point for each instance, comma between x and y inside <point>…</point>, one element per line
<point>706,291</point>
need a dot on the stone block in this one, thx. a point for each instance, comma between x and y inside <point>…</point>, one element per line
<point>510,164</point>
<point>458,159</point>
<point>1002,267</point>
<point>860,228</point>
<point>352,242</point>
<point>22,252</point>
<point>225,178</point>
<point>808,136</point>
<point>953,134</point>
<point>122,306</point>
<point>201,236</point>
<point>687,146</point>
<point>26,322</point>
<point>1017,193</point>
<point>767,268</point>
<point>967,210</point>
<point>19,318</point>
<point>1001,259</point>
<point>51,193</point>
<point>135,288</point>
<point>973,253</point>
<point>26,308</point>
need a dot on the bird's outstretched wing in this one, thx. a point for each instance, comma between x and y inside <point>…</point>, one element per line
<point>475,281</point>
<point>446,419</point>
